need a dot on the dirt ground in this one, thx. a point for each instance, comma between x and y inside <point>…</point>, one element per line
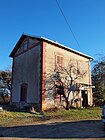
<point>87,129</point>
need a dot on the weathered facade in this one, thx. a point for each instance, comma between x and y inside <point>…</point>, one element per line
<point>39,63</point>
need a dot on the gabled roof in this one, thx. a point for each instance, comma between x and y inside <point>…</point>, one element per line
<point>46,40</point>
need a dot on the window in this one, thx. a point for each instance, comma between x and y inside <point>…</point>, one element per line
<point>25,45</point>
<point>80,67</point>
<point>58,62</point>
<point>23,93</point>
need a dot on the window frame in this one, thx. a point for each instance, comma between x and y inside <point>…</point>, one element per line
<point>59,61</point>
<point>25,44</point>
<point>23,92</point>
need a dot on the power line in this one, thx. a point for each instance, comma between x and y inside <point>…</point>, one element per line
<point>68,25</point>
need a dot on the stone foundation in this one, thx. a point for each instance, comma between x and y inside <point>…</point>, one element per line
<point>25,106</point>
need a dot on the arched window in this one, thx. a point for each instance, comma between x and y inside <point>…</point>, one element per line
<point>23,92</point>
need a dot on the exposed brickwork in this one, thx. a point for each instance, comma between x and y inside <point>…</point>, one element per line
<point>43,74</point>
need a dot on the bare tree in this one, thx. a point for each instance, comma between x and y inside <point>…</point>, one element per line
<point>5,77</point>
<point>63,80</point>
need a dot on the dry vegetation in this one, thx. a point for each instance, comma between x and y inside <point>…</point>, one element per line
<point>8,118</point>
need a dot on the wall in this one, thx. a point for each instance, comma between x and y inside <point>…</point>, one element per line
<point>51,52</point>
<point>26,69</point>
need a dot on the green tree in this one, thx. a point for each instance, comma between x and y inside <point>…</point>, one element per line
<point>98,80</point>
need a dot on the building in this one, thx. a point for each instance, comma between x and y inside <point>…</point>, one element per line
<point>39,64</point>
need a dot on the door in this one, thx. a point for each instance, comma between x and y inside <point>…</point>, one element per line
<point>85,99</point>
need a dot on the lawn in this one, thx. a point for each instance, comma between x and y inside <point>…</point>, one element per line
<point>8,118</point>
<point>76,114</point>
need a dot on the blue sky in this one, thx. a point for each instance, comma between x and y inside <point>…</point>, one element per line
<point>43,18</point>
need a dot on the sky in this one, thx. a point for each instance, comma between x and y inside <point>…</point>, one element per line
<point>43,18</point>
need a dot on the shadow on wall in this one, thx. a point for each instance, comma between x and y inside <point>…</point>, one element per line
<point>78,129</point>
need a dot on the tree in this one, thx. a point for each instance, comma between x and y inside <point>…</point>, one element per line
<point>98,80</point>
<point>5,78</point>
<point>63,80</point>
<point>5,85</point>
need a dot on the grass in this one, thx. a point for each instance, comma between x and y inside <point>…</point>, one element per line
<point>76,114</point>
<point>8,118</point>
<point>17,118</point>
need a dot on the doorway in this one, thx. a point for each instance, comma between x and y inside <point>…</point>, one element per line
<point>85,99</point>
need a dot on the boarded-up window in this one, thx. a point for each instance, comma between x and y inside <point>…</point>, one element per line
<point>23,92</point>
<point>58,62</point>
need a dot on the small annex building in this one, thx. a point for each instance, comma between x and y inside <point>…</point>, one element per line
<point>38,66</point>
